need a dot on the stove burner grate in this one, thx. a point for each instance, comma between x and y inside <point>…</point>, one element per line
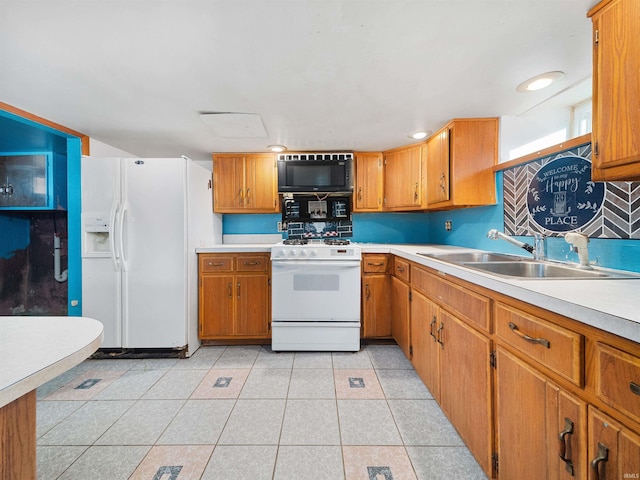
<point>295,241</point>
<point>336,241</point>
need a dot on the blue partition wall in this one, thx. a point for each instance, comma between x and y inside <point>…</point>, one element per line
<point>31,231</point>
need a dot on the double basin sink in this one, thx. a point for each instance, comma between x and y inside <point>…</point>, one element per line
<point>515,267</point>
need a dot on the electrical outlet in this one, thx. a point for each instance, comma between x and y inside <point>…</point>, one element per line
<point>282,227</point>
<point>447,225</point>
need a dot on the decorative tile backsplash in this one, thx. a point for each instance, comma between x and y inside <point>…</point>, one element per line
<point>316,230</point>
<point>553,195</point>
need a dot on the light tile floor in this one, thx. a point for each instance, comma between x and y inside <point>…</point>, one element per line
<point>244,412</point>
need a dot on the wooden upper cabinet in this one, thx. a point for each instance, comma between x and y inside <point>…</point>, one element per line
<point>368,184</point>
<point>228,182</point>
<point>403,179</point>
<point>261,181</point>
<point>459,164</point>
<point>438,167</point>
<point>616,90</point>
<point>245,183</point>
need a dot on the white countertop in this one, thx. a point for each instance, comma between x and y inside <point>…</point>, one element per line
<point>236,248</point>
<point>34,350</point>
<point>612,305</point>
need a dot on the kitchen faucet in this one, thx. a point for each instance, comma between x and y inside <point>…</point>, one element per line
<point>539,250</point>
<point>494,234</point>
<point>579,243</point>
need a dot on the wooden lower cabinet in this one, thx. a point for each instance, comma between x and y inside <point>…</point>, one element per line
<point>614,451</point>
<point>234,296</point>
<point>400,314</point>
<point>533,394</point>
<point>376,296</point>
<point>538,424</point>
<point>465,385</point>
<point>376,306</point>
<point>453,361</point>
<point>426,349</point>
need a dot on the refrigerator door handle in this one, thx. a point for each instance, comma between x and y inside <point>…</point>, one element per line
<point>120,233</point>
<point>113,215</point>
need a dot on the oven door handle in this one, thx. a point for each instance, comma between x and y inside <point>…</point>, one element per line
<point>280,264</point>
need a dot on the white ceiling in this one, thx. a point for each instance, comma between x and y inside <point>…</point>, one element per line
<point>322,74</point>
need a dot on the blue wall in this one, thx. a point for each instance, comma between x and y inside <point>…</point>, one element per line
<point>470,227</point>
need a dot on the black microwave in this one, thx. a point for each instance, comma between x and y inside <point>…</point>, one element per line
<point>315,172</point>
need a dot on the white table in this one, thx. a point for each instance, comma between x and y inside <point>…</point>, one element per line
<point>34,350</point>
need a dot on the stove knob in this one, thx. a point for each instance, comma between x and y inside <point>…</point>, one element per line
<point>314,253</point>
<point>282,253</point>
<point>303,253</point>
<point>294,252</point>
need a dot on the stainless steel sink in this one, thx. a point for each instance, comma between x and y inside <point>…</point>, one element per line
<point>530,269</point>
<point>516,267</point>
<point>463,257</point>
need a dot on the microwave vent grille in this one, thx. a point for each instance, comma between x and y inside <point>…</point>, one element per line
<point>315,156</point>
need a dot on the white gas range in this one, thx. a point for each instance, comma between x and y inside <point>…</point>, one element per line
<point>315,295</point>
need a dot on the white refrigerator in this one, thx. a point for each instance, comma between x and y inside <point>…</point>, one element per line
<point>142,219</point>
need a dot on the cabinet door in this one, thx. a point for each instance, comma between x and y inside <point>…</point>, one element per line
<point>252,305</point>
<point>25,181</point>
<point>520,413</point>
<point>400,314</point>
<point>614,451</point>
<point>216,305</point>
<point>616,91</point>
<point>403,179</point>
<point>438,167</point>
<point>368,184</point>
<point>376,306</point>
<point>426,350</point>
<point>228,183</point>
<point>261,191</point>
<point>566,435</point>
<point>465,385</point>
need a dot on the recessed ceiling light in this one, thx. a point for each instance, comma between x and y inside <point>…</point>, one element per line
<point>539,82</point>
<point>277,148</point>
<point>419,135</point>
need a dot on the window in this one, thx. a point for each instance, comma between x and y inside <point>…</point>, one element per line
<point>581,118</point>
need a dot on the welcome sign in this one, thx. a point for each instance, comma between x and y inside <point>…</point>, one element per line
<point>561,196</point>
<point>554,194</point>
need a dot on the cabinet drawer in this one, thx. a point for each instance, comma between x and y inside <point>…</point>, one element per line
<point>216,263</point>
<point>555,347</point>
<point>402,269</point>
<point>617,379</point>
<point>252,263</point>
<point>465,304</point>
<point>375,263</point>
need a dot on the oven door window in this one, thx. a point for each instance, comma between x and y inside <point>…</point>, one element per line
<point>316,282</point>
